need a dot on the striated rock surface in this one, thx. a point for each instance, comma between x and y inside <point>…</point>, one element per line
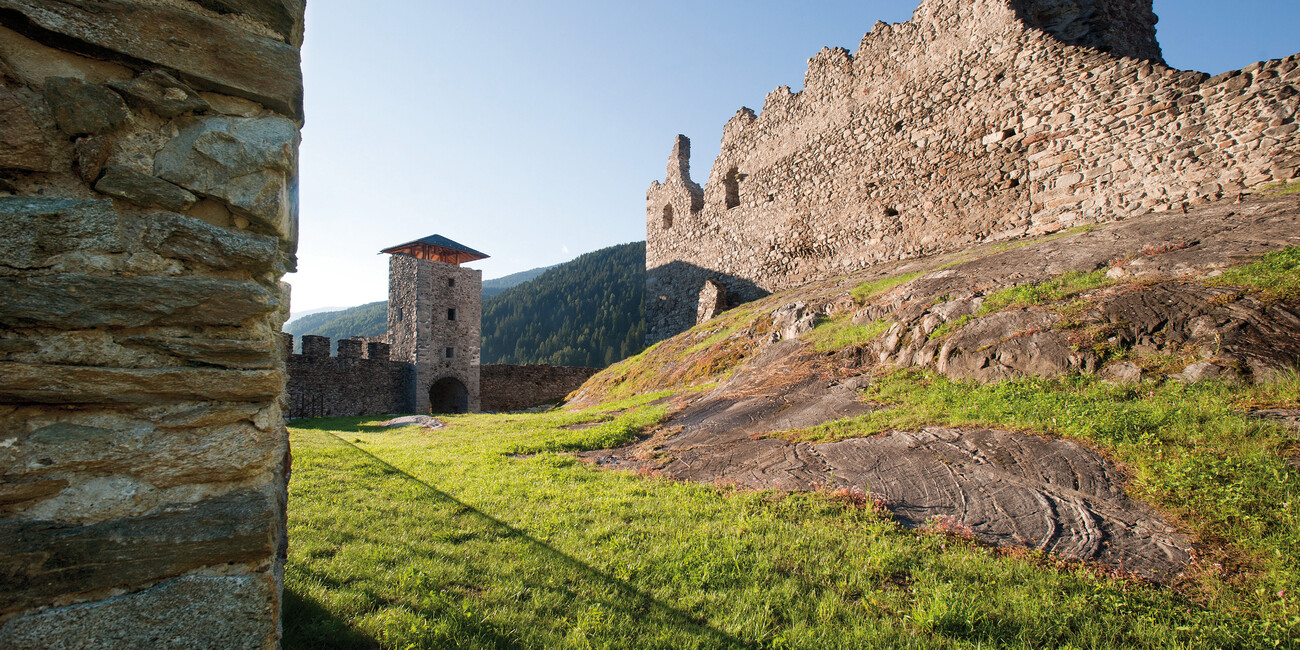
<point>143,456</point>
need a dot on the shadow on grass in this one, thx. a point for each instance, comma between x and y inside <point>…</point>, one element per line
<point>343,425</point>
<point>635,603</point>
<point>308,625</point>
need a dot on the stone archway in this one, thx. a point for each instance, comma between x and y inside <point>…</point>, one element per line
<point>448,395</point>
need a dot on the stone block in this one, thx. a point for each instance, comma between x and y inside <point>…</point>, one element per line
<point>24,145</point>
<point>66,384</point>
<point>79,444</point>
<point>350,348</point>
<point>89,155</point>
<point>250,163</point>
<point>377,350</point>
<point>161,93</point>
<point>143,189</point>
<point>207,53</point>
<point>38,229</point>
<point>194,240</point>
<point>71,300</point>
<point>45,560</point>
<point>222,353</point>
<point>196,611</point>
<point>81,108</point>
<point>315,346</point>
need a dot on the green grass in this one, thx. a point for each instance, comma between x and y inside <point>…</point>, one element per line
<point>840,332</point>
<point>1276,276</point>
<point>1282,189</point>
<point>868,290</point>
<point>1190,450</point>
<point>478,536</point>
<point>1057,288</point>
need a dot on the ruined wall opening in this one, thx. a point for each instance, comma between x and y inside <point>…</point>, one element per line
<point>668,216</point>
<point>731,182</point>
<point>448,395</point>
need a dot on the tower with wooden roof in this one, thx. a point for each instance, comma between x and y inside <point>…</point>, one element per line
<point>434,311</point>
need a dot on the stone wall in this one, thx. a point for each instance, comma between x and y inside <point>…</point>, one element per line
<point>424,334</point>
<point>148,174</point>
<point>977,120</point>
<point>361,380</point>
<point>514,388</point>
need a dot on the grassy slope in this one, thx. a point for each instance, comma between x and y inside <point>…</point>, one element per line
<point>479,548</point>
<point>448,538</point>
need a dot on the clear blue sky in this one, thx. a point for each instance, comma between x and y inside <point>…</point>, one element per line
<point>530,131</point>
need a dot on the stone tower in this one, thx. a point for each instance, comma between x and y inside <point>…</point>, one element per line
<point>434,309</point>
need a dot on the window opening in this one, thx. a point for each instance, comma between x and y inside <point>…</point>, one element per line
<point>732,184</point>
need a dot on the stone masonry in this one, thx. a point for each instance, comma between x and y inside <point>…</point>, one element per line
<point>978,120</point>
<point>516,387</point>
<point>423,333</point>
<point>361,380</point>
<point>148,200</point>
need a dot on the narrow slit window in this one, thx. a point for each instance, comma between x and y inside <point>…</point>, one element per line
<point>731,182</point>
<point>449,353</point>
<point>451,313</point>
<point>451,282</point>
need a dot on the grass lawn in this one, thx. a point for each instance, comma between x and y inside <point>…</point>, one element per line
<point>485,534</point>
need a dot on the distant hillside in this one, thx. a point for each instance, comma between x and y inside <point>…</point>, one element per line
<point>366,320</point>
<point>496,286</point>
<point>587,312</point>
<point>371,319</point>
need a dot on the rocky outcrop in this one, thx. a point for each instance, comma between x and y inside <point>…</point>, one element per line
<point>1151,293</point>
<point>144,460</point>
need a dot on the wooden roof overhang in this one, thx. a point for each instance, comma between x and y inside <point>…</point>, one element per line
<point>438,249</point>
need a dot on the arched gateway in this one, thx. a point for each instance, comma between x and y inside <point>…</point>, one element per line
<point>448,395</point>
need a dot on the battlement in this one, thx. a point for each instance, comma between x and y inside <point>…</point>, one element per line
<point>351,348</point>
<point>977,120</point>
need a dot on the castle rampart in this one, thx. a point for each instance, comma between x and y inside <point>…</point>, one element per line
<point>517,387</point>
<point>975,121</point>
<point>360,380</point>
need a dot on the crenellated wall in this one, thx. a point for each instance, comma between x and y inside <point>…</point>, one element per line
<point>361,380</point>
<point>977,120</point>
<point>148,200</point>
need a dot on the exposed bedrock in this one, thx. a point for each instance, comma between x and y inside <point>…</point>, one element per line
<point>1005,487</point>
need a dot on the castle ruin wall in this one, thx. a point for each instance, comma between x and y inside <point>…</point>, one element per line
<point>975,121</point>
<point>148,199</point>
<point>509,387</point>
<point>361,380</point>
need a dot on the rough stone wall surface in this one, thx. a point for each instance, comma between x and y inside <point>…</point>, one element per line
<point>420,293</point>
<point>148,174</point>
<point>361,380</point>
<point>968,123</point>
<point>513,388</point>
